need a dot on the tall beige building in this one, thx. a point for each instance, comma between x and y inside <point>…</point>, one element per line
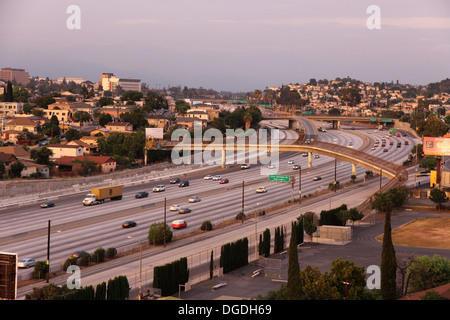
<point>19,75</point>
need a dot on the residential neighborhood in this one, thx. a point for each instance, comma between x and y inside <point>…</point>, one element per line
<point>68,116</point>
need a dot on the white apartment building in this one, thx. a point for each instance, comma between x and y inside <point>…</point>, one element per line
<point>110,82</point>
<point>10,108</point>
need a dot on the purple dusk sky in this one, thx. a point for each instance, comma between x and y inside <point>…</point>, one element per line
<point>237,45</point>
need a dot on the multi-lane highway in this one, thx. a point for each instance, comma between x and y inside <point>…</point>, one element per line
<point>75,227</point>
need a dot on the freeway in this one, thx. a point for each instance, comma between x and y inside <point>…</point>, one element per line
<point>23,229</point>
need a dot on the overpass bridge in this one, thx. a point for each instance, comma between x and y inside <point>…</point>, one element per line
<point>335,119</point>
<point>355,157</point>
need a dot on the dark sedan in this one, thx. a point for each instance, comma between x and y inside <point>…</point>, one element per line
<point>175,180</point>
<point>142,194</point>
<point>183,210</point>
<point>129,224</point>
<point>47,204</point>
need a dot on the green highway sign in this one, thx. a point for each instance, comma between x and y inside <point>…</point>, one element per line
<point>279,178</point>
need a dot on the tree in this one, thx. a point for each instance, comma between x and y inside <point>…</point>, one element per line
<point>105,101</point>
<point>182,106</point>
<point>73,134</point>
<point>16,169</point>
<point>426,273</point>
<point>308,223</point>
<point>434,127</point>
<point>131,95</point>
<point>350,96</point>
<point>383,202</point>
<point>294,289</point>
<point>82,116</point>
<point>41,156</point>
<point>8,95</point>
<point>429,162</point>
<point>156,233</point>
<point>348,278</point>
<point>438,196</point>
<point>104,118</point>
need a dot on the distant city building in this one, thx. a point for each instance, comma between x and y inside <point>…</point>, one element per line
<point>130,84</point>
<point>20,76</point>
<point>110,82</point>
<point>75,80</point>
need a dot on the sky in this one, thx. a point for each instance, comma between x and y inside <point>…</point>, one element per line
<point>233,45</point>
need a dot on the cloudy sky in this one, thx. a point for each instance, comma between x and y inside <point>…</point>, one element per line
<point>237,45</point>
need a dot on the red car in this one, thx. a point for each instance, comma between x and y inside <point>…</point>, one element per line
<point>178,224</point>
<point>385,150</point>
<point>222,181</point>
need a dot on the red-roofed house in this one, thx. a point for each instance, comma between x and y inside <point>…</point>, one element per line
<point>108,164</point>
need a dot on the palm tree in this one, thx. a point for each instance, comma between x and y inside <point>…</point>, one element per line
<point>248,120</point>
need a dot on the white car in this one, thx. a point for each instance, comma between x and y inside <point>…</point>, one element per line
<point>26,263</point>
<point>159,188</point>
<point>316,156</point>
<point>291,162</point>
<point>271,166</point>
<point>245,166</point>
<point>175,207</point>
<point>194,199</point>
<point>208,177</point>
<point>216,178</point>
<point>261,190</point>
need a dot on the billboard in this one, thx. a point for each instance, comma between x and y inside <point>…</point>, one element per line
<point>155,133</point>
<point>8,276</point>
<point>436,146</point>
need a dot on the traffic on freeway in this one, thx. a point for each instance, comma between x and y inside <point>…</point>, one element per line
<point>78,227</point>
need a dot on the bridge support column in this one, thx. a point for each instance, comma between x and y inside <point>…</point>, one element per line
<point>309,159</point>
<point>353,169</point>
<point>223,158</point>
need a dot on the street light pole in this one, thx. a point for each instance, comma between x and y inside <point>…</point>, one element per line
<point>48,252</point>
<point>165,222</point>
<point>242,216</point>
<point>300,185</point>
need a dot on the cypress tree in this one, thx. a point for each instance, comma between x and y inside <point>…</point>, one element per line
<point>266,243</point>
<point>211,265</point>
<point>388,262</point>
<point>294,289</point>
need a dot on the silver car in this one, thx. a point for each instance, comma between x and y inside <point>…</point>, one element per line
<point>26,263</point>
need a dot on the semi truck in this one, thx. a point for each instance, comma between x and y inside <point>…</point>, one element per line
<point>99,195</point>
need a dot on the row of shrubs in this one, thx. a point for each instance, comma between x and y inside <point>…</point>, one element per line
<point>116,289</point>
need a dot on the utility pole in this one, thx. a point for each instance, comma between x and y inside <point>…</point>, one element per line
<point>242,216</point>
<point>164,222</point>
<point>335,178</point>
<point>48,252</point>
<point>300,185</point>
